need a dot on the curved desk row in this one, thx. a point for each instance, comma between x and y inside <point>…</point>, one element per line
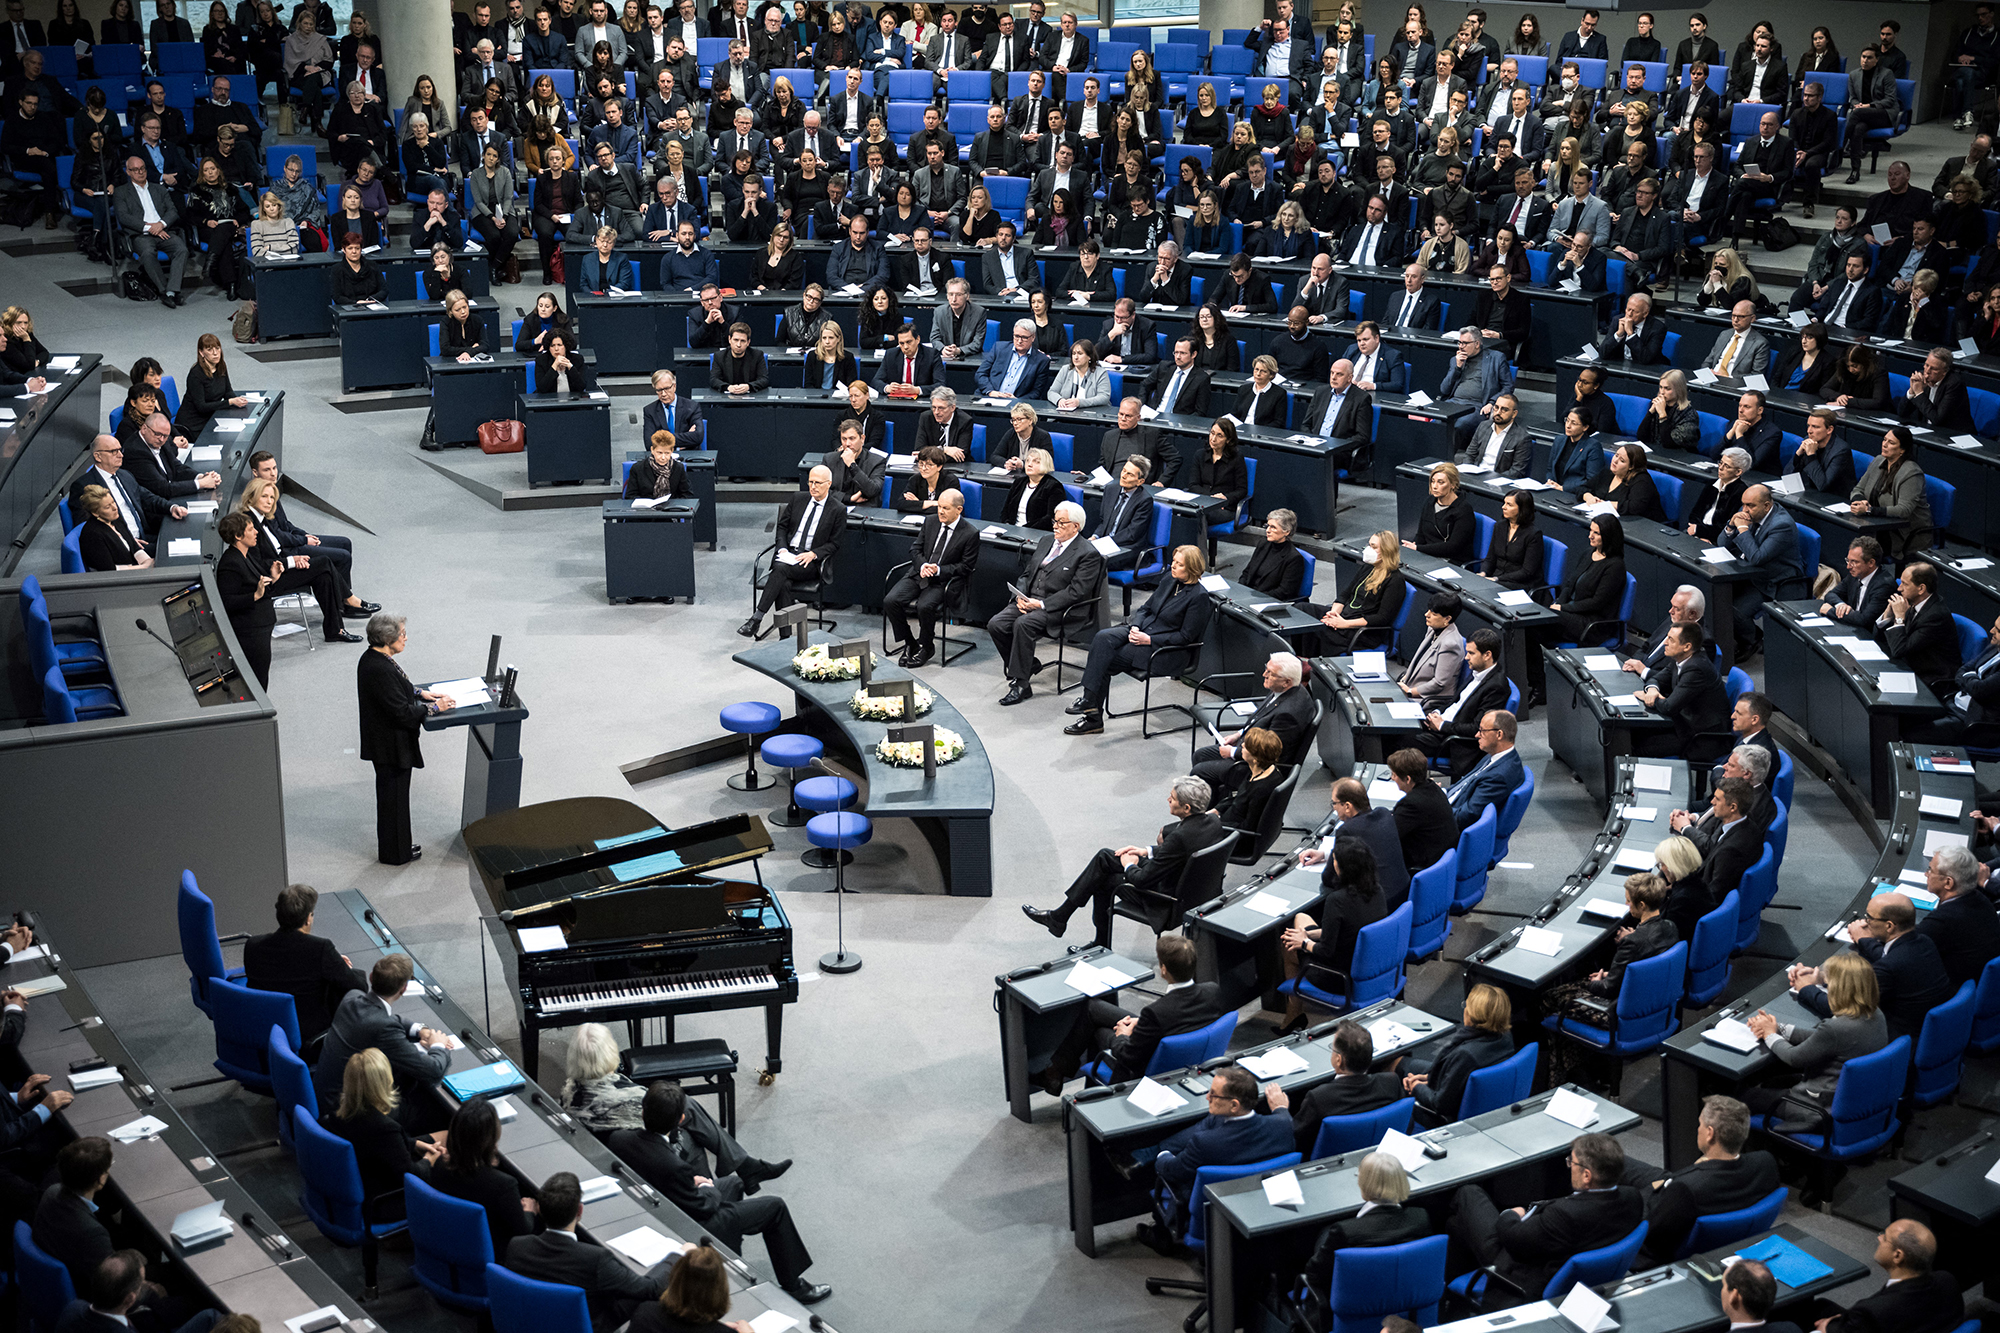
<point>257,1270</point>
<point>541,1139</point>
<point>1593,720</point>
<point>1693,1067</point>
<point>43,439</point>
<point>295,296</point>
<point>223,447</point>
<point>1366,720</point>
<point>954,810</point>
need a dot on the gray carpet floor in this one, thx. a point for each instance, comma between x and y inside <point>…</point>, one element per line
<point>924,1202</point>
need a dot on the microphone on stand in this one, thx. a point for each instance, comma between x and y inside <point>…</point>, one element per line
<point>141,623</point>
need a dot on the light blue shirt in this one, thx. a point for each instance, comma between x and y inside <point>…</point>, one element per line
<point>1332,413</point>
<point>1016,366</point>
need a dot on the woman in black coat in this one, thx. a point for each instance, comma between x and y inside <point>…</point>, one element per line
<point>383,1149</point>
<point>1244,810</point>
<point>459,334</point>
<point>1032,499</point>
<point>1625,482</point>
<point>556,363</point>
<point>546,320</point>
<point>660,474</point>
<point>1485,1039</point>
<point>1446,529</point>
<point>1515,558</point>
<point>1325,938</point>
<point>1592,591</point>
<point>105,543</point>
<point>1262,402</point>
<point>1277,568</point>
<point>470,1170</point>
<point>355,277</point>
<point>1219,470</point>
<point>1090,273</point>
<point>1806,367</point>
<point>121,29</point>
<point>244,590</point>
<point>1861,382</point>
<point>1711,507</point>
<point>208,390</point>
<point>1642,934</point>
<point>917,492</point>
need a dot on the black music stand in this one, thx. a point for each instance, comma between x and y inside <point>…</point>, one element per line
<point>926,734</point>
<point>797,615</point>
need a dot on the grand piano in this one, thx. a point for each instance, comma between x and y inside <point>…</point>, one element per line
<point>600,914</point>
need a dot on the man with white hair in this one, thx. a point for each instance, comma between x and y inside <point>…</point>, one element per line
<point>1637,338</point>
<point>1059,590</point>
<point>1963,925</point>
<point>810,526</point>
<point>1752,764</point>
<point>1128,872</point>
<point>1016,369</point>
<point>484,69</point>
<point>1285,711</point>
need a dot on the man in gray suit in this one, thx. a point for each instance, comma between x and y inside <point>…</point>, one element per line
<point>938,187</point>
<point>418,1055</point>
<point>152,219</point>
<point>1741,350</point>
<point>959,330</point>
<point>1059,586</point>
<point>946,51</point>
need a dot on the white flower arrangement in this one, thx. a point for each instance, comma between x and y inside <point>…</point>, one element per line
<point>874,708</point>
<point>817,665</point>
<point>910,754</point>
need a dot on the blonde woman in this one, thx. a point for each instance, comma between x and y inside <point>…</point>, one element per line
<point>1289,237</point>
<point>304,570</point>
<point>594,1090</point>
<point>1205,122</point>
<point>1566,163</point>
<point>384,1150</point>
<point>106,543</point>
<point>1366,616</point>
<point>780,267</point>
<point>1729,281</point>
<point>829,366</point>
<point>1845,993</point>
<point>272,234</point>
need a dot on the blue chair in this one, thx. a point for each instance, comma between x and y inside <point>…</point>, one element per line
<point>1312,572</point>
<point>1863,1115</point>
<point>46,1289</point>
<point>332,1194</point>
<point>1555,562</point>
<point>1942,496</point>
<point>1781,781</point>
<point>1667,346</point>
<point>1708,954</point>
<point>820,795</point>
<point>1985,1037</point>
<point>1502,1084</point>
<point>1646,1014</point>
<point>243,1021</point>
<point>1592,1268</point>
<point>119,60</point>
<point>69,523</point>
<point>1364,1129</point>
<point>1756,889</point>
<point>453,1246</point>
<point>176,58</point>
<point>790,751</point>
<point>1971,638</point>
<point>1719,1229</point>
<point>1374,973</point>
<point>1778,835</point>
<point>81,661</point>
<point>1152,563</point>
<point>1518,801</point>
<point>1242,514</point>
<point>1183,1050</point>
<point>1431,891</point>
<point>751,720</point>
<point>1940,1051</point>
<point>291,1083</point>
<point>523,1305</point>
<point>201,948</point>
<point>1373,1282</point>
<point>1196,1235</point>
<point>1475,852</point>
<point>1669,487</point>
<point>72,551</point>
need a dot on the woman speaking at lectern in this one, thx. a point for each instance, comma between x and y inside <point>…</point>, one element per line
<point>392,716</point>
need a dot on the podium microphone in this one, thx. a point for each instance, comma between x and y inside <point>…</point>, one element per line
<point>141,623</point>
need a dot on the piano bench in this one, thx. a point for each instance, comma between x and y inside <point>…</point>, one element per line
<point>705,1065</point>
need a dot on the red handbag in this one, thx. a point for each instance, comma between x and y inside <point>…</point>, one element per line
<point>505,436</point>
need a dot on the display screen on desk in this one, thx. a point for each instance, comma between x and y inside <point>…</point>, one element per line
<point>205,659</point>
<point>188,613</point>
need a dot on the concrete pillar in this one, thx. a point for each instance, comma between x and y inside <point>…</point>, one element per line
<point>416,39</point>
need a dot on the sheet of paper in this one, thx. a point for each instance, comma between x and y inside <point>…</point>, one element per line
<point>1897,682</point>
<point>64,363</point>
<point>95,1078</point>
<point>599,1187</point>
<point>1974,562</point>
<point>542,939</point>
<point>1445,574</point>
<point>1587,1310</point>
<point>1371,666</point>
<point>1087,978</point>
<point>1586,353</point>
<point>1268,904</point>
<point>1403,1148</point>
<point>1419,398</point>
<point>1623,700</point>
<point>1155,1098</point>
<point>1815,622</point>
<point>1798,319</point>
<point>1993,1173</point>
<point>205,453</point>
<point>1515,597</point>
<point>1600,662</point>
<point>1633,858</point>
<point>1943,806</point>
<point>1604,907</point>
<point>1104,545</point>
<point>1405,710</point>
<point>1967,441</point>
<point>1757,382</point>
<point>1388,1034</point>
<point>1704,376</point>
<point>645,1246</point>
<point>1643,814</point>
<point>1384,792</point>
<point>1652,777</point>
<point>1716,555</point>
<point>1571,285</point>
<point>1733,1033</point>
<point>1913,875</point>
<point>1922,898</point>
<point>1215,583</point>
<point>1282,1190</point>
<point>145,1127</point>
<point>772,1321</point>
<point>1276,1063</point>
<point>789,557</point>
<point>1937,839</point>
<point>1867,650</point>
<point>1572,1108</point>
<point>1536,940</point>
<point>29,954</point>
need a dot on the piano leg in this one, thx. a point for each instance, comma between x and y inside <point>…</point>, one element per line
<point>774,1032</point>
<point>531,1047</point>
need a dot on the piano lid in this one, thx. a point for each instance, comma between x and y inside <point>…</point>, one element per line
<point>595,845</point>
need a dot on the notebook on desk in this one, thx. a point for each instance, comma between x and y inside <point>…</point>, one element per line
<point>485,1081</point>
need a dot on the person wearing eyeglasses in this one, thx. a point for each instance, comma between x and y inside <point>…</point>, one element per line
<point>1233,1133</point>
<point>1526,1246</point>
<point>1908,970</point>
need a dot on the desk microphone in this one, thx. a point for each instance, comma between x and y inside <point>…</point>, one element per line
<point>141,623</point>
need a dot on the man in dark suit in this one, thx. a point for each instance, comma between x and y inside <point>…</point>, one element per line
<point>1766,540</point>
<point>69,1223</point>
<point>1687,691</point>
<point>941,560</point>
<point>1129,1040</point>
<point>1963,925</point>
<point>854,261</point>
<point>18,36</point>
<point>1351,1091</point>
<point>1738,841</point>
<point>1424,825</point>
<point>1494,777</point>
<point>1130,438</point>
<point>1524,1246</point>
<point>1061,591</point>
<point>152,459</point>
<point>1411,308</point>
<point>1748,1293</point>
<point>1696,46</point>
<point>1750,719</point>
<point>1908,967</point>
<point>556,1254</point>
<point>1285,711</point>
<point>1376,364</point>
<point>1374,242</point>
<point>1167,628</point>
<point>1913,1299</point>
<point>1323,295</point>
<point>673,1152</point>
<point>857,469</point>
<point>1007,51</point>
<point>1127,337</point>
<point>1917,630</point>
<point>1862,596</point>
<point>1125,515</point>
<point>1064,51</point>
<point>1584,41</point>
<point>1637,337</point>
<point>1355,816</point>
<point>1232,1133</point>
<point>914,363</point>
<point>1974,700</point>
<point>1697,99</point>
<point>419,1056</point>
<point>303,965</point>
<point>1129,873</point>
<point>680,417</point>
<point>141,508</point>
<point>392,715</point>
<point>111,1300</point>
<point>1180,388</point>
<point>151,220</point>
<point>1762,172</point>
<point>1339,412</point>
<point>1454,730</point>
<point>1851,302</point>
<point>1937,396</point>
<point>810,526</point>
<point>1722,1179</point>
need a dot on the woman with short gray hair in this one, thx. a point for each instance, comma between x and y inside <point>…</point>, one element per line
<point>1277,568</point>
<point>595,1090</point>
<point>1711,507</point>
<point>1385,1189</point>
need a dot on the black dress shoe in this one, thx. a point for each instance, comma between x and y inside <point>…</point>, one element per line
<point>1051,1081</point>
<point>415,850</point>
<point>1053,922</point>
<point>1090,724</point>
<point>343,636</point>
<point>754,1171</point>
<point>748,629</point>
<point>1158,1239</point>
<point>1016,693</point>
<point>919,657</point>
<point>1080,705</point>
<point>1854,176</point>
<point>809,1293</point>
<point>367,607</point>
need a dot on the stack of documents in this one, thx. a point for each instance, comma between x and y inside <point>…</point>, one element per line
<point>1275,1063</point>
<point>1572,1108</point>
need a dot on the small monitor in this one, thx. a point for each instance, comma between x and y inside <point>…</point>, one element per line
<point>493,660</point>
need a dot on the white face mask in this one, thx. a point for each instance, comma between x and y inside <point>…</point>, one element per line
<point>1568,82</point>
<point>1369,555</point>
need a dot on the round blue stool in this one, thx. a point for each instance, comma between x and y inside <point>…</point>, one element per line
<point>789,750</point>
<point>822,794</point>
<point>751,720</point>
<point>839,831</point>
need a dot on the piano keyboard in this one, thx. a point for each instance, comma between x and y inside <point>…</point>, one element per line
<point>700,986</point>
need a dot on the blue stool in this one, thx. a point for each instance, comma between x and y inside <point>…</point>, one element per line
<point>820,795</point>
<point>839,831</point>
<point>751,720</point>
<point>789,750</point>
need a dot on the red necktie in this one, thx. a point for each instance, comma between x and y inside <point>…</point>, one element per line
<point>909,370</point>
